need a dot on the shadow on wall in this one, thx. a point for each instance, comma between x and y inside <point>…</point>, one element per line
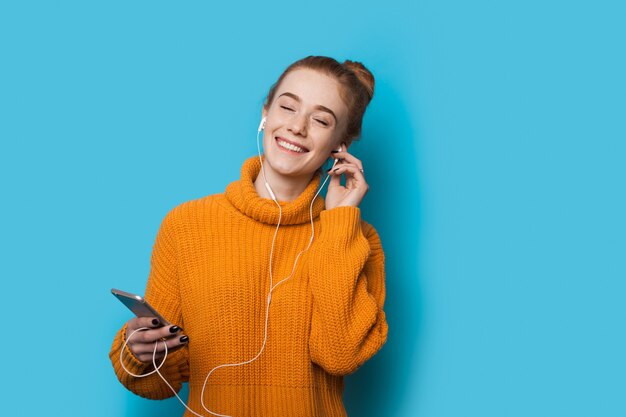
<point>381,385</point>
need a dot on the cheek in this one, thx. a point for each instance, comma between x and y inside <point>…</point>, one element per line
<point>268,140</point>
<point>326,154</point>
<point>278,115</point>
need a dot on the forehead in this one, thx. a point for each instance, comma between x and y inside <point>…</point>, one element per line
<point>313,88</point>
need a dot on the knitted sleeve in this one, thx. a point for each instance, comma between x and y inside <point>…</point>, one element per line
<point>347,279</point>
<point>162,293</point>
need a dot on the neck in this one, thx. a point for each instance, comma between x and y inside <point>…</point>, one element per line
<point>285,188</point>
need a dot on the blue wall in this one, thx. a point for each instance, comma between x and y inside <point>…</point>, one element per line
<point>494,149</point>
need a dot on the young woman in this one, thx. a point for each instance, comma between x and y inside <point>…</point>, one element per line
<point>275,294</point>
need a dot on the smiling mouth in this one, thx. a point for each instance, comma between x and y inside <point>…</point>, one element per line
<point>289,147</point>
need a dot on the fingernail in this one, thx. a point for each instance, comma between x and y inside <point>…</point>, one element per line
<point>184,339</point>
<point>334,151</point>
<point>155,322</point>
<point>174,329</point>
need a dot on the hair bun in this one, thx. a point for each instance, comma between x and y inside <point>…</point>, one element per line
<point>363,74</point>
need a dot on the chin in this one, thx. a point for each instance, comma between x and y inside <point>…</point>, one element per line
<point>288,167</point>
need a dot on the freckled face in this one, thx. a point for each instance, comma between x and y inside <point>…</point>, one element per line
<point>304,123</point>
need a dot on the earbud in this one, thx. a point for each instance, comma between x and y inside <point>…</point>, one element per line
<point>338,150</point>
<point>262,124</point>
<point>336,159</point>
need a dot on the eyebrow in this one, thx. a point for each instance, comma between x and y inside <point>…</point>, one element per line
<point>318,107</point>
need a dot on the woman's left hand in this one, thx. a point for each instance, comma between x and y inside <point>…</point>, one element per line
<point>355,188</point>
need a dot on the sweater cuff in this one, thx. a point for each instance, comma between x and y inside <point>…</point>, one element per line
<point>130,361</point>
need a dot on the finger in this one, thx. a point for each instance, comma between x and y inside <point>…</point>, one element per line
<point>345,167</point>
<point>344,155</point>
<point>147,357</point>
<point>353,170</point>
<point>335,163</point>
<point>137,322</point>
<point>150,336</point>
<point>334,180</point>
<point>175,346</point>
<point>348,170</point>
<point>172,343</point>
<point>140,349</point>
<point>336,176</point>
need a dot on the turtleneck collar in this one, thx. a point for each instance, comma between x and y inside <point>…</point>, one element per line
<point>243,195</point>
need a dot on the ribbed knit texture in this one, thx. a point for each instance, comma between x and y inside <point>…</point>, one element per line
<point>210,275</point>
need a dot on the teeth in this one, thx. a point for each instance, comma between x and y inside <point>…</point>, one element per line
<point>290,146</point>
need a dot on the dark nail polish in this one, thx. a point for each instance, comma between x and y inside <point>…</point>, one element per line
<point>334,151</point>
<point>174,329</point>
<point>184,339</point>
<point>155,322</point>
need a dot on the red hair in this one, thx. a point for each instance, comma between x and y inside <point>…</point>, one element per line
<point>357,87</point>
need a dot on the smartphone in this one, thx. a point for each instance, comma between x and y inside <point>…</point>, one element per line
<point>138,305</point>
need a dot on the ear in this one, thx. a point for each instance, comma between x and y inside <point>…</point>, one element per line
<point>264,112</point>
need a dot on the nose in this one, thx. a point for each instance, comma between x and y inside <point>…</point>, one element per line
<point>298,125</point>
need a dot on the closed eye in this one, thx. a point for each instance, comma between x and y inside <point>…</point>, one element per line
<point>317,120</point>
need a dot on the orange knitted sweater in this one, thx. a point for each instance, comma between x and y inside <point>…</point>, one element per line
<point>209,273</point>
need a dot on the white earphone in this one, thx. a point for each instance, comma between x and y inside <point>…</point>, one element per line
<point>269,296</point>
<point>262,124</point>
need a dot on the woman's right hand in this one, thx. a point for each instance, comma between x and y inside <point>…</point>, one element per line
<point>142,342</point>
